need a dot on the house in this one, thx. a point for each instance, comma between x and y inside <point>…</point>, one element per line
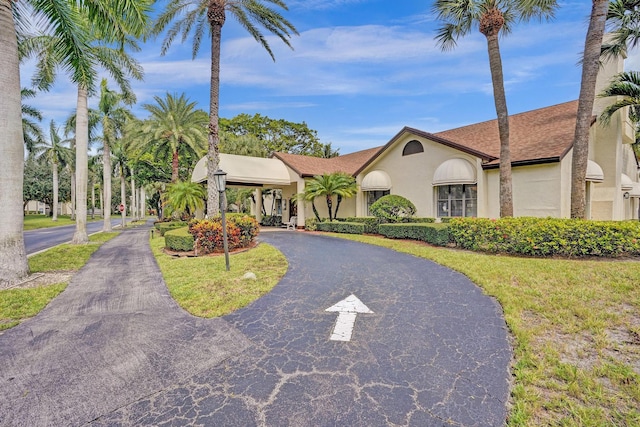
<point>456,172</point>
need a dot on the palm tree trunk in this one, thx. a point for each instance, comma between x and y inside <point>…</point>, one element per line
<point>590,67</point>
<point>123,197</point>
<point>315,211</point>
<point>335,213</point>
<point>54,208</point>
<point>329,206</point>
<point>216,19</point>
<point>500,100</point>
<point>93,198</point>
<point>13,257</point>
<point>175,164</point>
<point>134,206</point>
<point>106,178</point>
<point>82,167</point>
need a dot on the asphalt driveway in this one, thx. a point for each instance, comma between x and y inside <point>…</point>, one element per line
<point>114,349</point>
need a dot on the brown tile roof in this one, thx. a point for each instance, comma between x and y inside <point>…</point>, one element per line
<point>310,166</point>
<point>534,136</point>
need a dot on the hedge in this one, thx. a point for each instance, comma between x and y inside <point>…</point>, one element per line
<point>163,227</point>
<point>370,223</point>
<point>179,239</point>
<point>341,227</point>
<point>435,234</point>
<point>547,236</point>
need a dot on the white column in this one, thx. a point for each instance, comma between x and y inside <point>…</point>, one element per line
<point>258,204</point>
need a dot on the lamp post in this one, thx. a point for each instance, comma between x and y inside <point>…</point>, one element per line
<point>221,182</point>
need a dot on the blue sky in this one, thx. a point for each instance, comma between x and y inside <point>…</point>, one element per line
<point>361,70</point>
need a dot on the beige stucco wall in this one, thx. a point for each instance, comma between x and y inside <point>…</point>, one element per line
<point>536,190</point>
<point>412,176</point>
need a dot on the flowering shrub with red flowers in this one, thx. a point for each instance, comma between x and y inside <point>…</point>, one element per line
<point>208,236</point>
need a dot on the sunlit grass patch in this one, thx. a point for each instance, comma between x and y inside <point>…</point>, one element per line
<point>68,256</point>
<point>203,287</point>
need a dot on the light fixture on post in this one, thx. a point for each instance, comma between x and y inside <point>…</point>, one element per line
<point>221,183</point>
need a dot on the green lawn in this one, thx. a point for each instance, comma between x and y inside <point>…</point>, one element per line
<point>576,331</point>
<point>204,288</point>
<point>19,304</point>
<point>32,222</point>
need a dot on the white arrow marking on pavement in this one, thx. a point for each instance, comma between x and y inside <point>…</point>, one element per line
<point>347,310</point>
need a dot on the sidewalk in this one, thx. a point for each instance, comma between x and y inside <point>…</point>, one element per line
<point>112,337</point>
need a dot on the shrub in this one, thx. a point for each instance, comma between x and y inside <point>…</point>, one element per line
<point>271,221</point>
<point>310,224</point>
<point>241,230</point>
<point>165,226</point>
<point>179,239</point>
<point>419,220</point>
<point>370,223</point>
<point>341,227</point>
<point>547,237</point>
<point>392,208</point>
<point>435,234</point>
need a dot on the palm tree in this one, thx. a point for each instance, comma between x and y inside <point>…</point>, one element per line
<point>623,16</point>
<point>95,171</point>
<point>185,196</point>
<point>174,125</point>
<point>197,15</point>
<point>492,18</point>
<point>329,185</point>
<point>112,116</point>
<point>31,130</point>
<point>590,68</point>
<point>56,154</point>
<point>120,165</point>
<point>104,44</point>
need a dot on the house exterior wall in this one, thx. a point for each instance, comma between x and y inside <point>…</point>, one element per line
<point>412,175</point>
<point>537,190</point>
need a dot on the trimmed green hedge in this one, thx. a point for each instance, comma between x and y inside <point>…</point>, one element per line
<point>547,236</point>
<point>435,234</point>
<point>341,227</point>
<point>179,239</point>
<point>163,227</point>
<point>370,223</point>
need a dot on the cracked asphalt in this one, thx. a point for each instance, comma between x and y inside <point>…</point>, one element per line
<point>114,349</point>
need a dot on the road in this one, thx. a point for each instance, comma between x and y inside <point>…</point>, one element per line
<point>44,238</point>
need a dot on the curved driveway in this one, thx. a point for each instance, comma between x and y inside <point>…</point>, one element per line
<point>433,352</point>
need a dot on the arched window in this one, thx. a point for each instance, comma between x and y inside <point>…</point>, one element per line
<point>412,147</point>
<point>456,189</point>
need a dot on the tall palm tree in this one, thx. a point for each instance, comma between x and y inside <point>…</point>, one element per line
<point>198,15</point>
<point>590,68</point>
<point>31,130</point>
<point>112,116</point>
<point>174,125</point>
<point>105,43</point>
<point>57,154</point>
<point>329,185</point>
<point>492,18</point>
<point>120,159</point>
<point>627,86</point>
<point>95,171</point>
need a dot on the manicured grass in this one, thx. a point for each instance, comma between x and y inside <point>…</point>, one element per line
<point>68,256</point>
<point>204,288</point>
<point>576,330</point>
<point>18,304</point>
<point>32,222</point>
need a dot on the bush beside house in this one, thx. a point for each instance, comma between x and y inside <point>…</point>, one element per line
<point>435,234</point>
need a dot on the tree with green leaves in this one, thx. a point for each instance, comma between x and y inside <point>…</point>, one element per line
<point>174,126</point>
<point>202,15</point>
<point>329,185</point>
<point>275,135</point>
<point>626,87</point>
<point>57,155</point>
<point>38,183</point>
<point>185,197</point>
<point>590,67</point>
<point>492,18</point>
<point>30,128</point>
<point>623,19</point>
<point>113,117</point>
<point>120,159</point>
<point>104,44</point>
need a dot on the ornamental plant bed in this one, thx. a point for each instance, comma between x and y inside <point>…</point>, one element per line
<point>180,254</point>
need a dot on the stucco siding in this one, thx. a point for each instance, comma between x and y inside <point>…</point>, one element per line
<point>536,190</point>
